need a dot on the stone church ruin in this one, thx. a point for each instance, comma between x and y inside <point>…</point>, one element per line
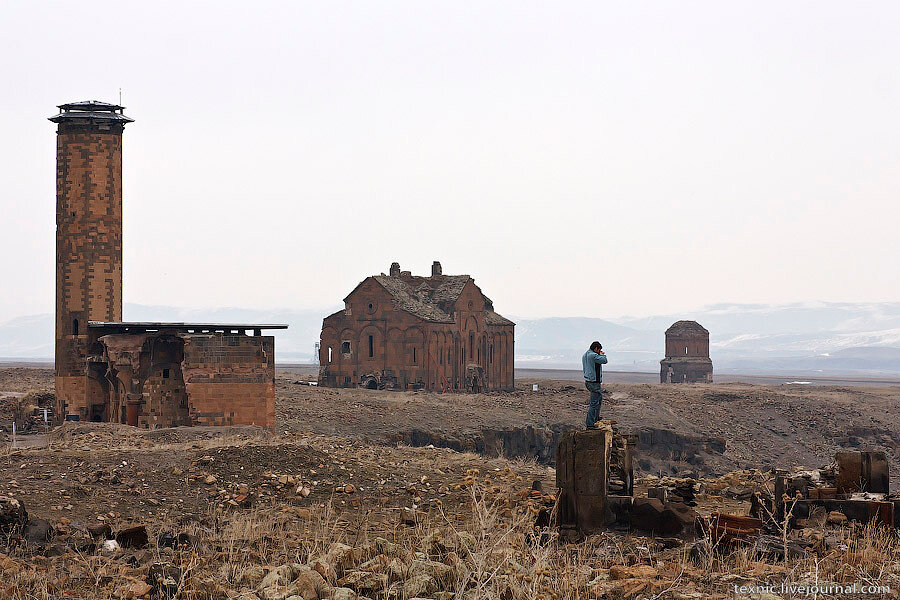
<point>687,354</point>
<point>404,331</point>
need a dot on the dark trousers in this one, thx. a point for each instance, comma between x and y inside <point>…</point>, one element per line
<point>593,414</point>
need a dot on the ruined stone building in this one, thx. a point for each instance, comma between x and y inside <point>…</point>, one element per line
<point>142,374</point>
<point>687,354</point>
<point>405,331</point>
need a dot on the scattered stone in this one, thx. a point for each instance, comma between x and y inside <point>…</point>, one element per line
<point>343,593</point>
<point>136,589</point>
<point>836,517</point>
<point>408,517</point>
<point>280,576</point>
<point>12,513</point>
<point>439,571</point>
<point>635,572</point>
<point>363,581</point>
<point>774,547</point>
<point>309,582</point>
<point>100,530</point>
<point>340,556</point>
<point>165,578</point>
<point>383,546</point>
<point>321,566</point>
<point>251,576</point>
<point>645,513</point>
<point>419,586</point>
<point>676,518</point>
<point>37,531</point>
<point>396,570</point>
<point>659,492</point>
<point>133,537</point>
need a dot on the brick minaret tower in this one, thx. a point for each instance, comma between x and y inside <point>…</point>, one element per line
<point>88,237</point>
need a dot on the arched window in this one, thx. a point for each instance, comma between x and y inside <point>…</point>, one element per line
<point>75,327</point>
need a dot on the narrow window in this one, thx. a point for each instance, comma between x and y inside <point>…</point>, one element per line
<point>371,346</point>
<point>491,354</point>
<point>345,347</point>
<point>685,350</point>
<point>441,355</point>
<point>165,373</point>
<point>75,327</point>
<point>414,355</point>
<point>329,354</point>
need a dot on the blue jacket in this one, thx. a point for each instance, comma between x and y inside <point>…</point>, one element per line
<point>591,362</point>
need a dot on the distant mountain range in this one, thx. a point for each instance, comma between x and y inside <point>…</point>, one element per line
<point>816,338</point>
<point>809,338</point>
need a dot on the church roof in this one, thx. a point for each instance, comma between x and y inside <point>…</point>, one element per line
<point>686,328</point>
<point>432,298</point>
<point>420,300</point>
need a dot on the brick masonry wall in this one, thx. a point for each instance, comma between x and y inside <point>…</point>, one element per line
<point>697,345</point>
<point>232,403</point>
<point>88,246</point>
<point>230,380</point>
<point>165,401</point>
<point>71,391</point>
<point>686,370</point>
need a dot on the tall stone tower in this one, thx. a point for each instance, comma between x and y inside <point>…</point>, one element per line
<point>88,236</point>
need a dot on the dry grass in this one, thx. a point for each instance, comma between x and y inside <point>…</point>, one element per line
<point>493,550</point>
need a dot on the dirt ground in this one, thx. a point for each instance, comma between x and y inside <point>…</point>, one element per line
<point>698,429</point>
<point>351,466</point>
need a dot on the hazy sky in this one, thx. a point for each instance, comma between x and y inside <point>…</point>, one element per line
<point>592,158</point>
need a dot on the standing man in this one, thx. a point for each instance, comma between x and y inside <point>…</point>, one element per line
<point>593,376</point>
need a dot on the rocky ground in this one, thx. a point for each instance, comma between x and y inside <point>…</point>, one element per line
<point>331,506</point>
<point>702,429</point>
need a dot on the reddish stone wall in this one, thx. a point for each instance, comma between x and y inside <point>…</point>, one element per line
<point>686,370</point>
<point>232,403</point>
<point>70,394</point>
<point>165,399</point>
<point>230,379</point>
<point>88,245</point>
<point>696,345</point>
